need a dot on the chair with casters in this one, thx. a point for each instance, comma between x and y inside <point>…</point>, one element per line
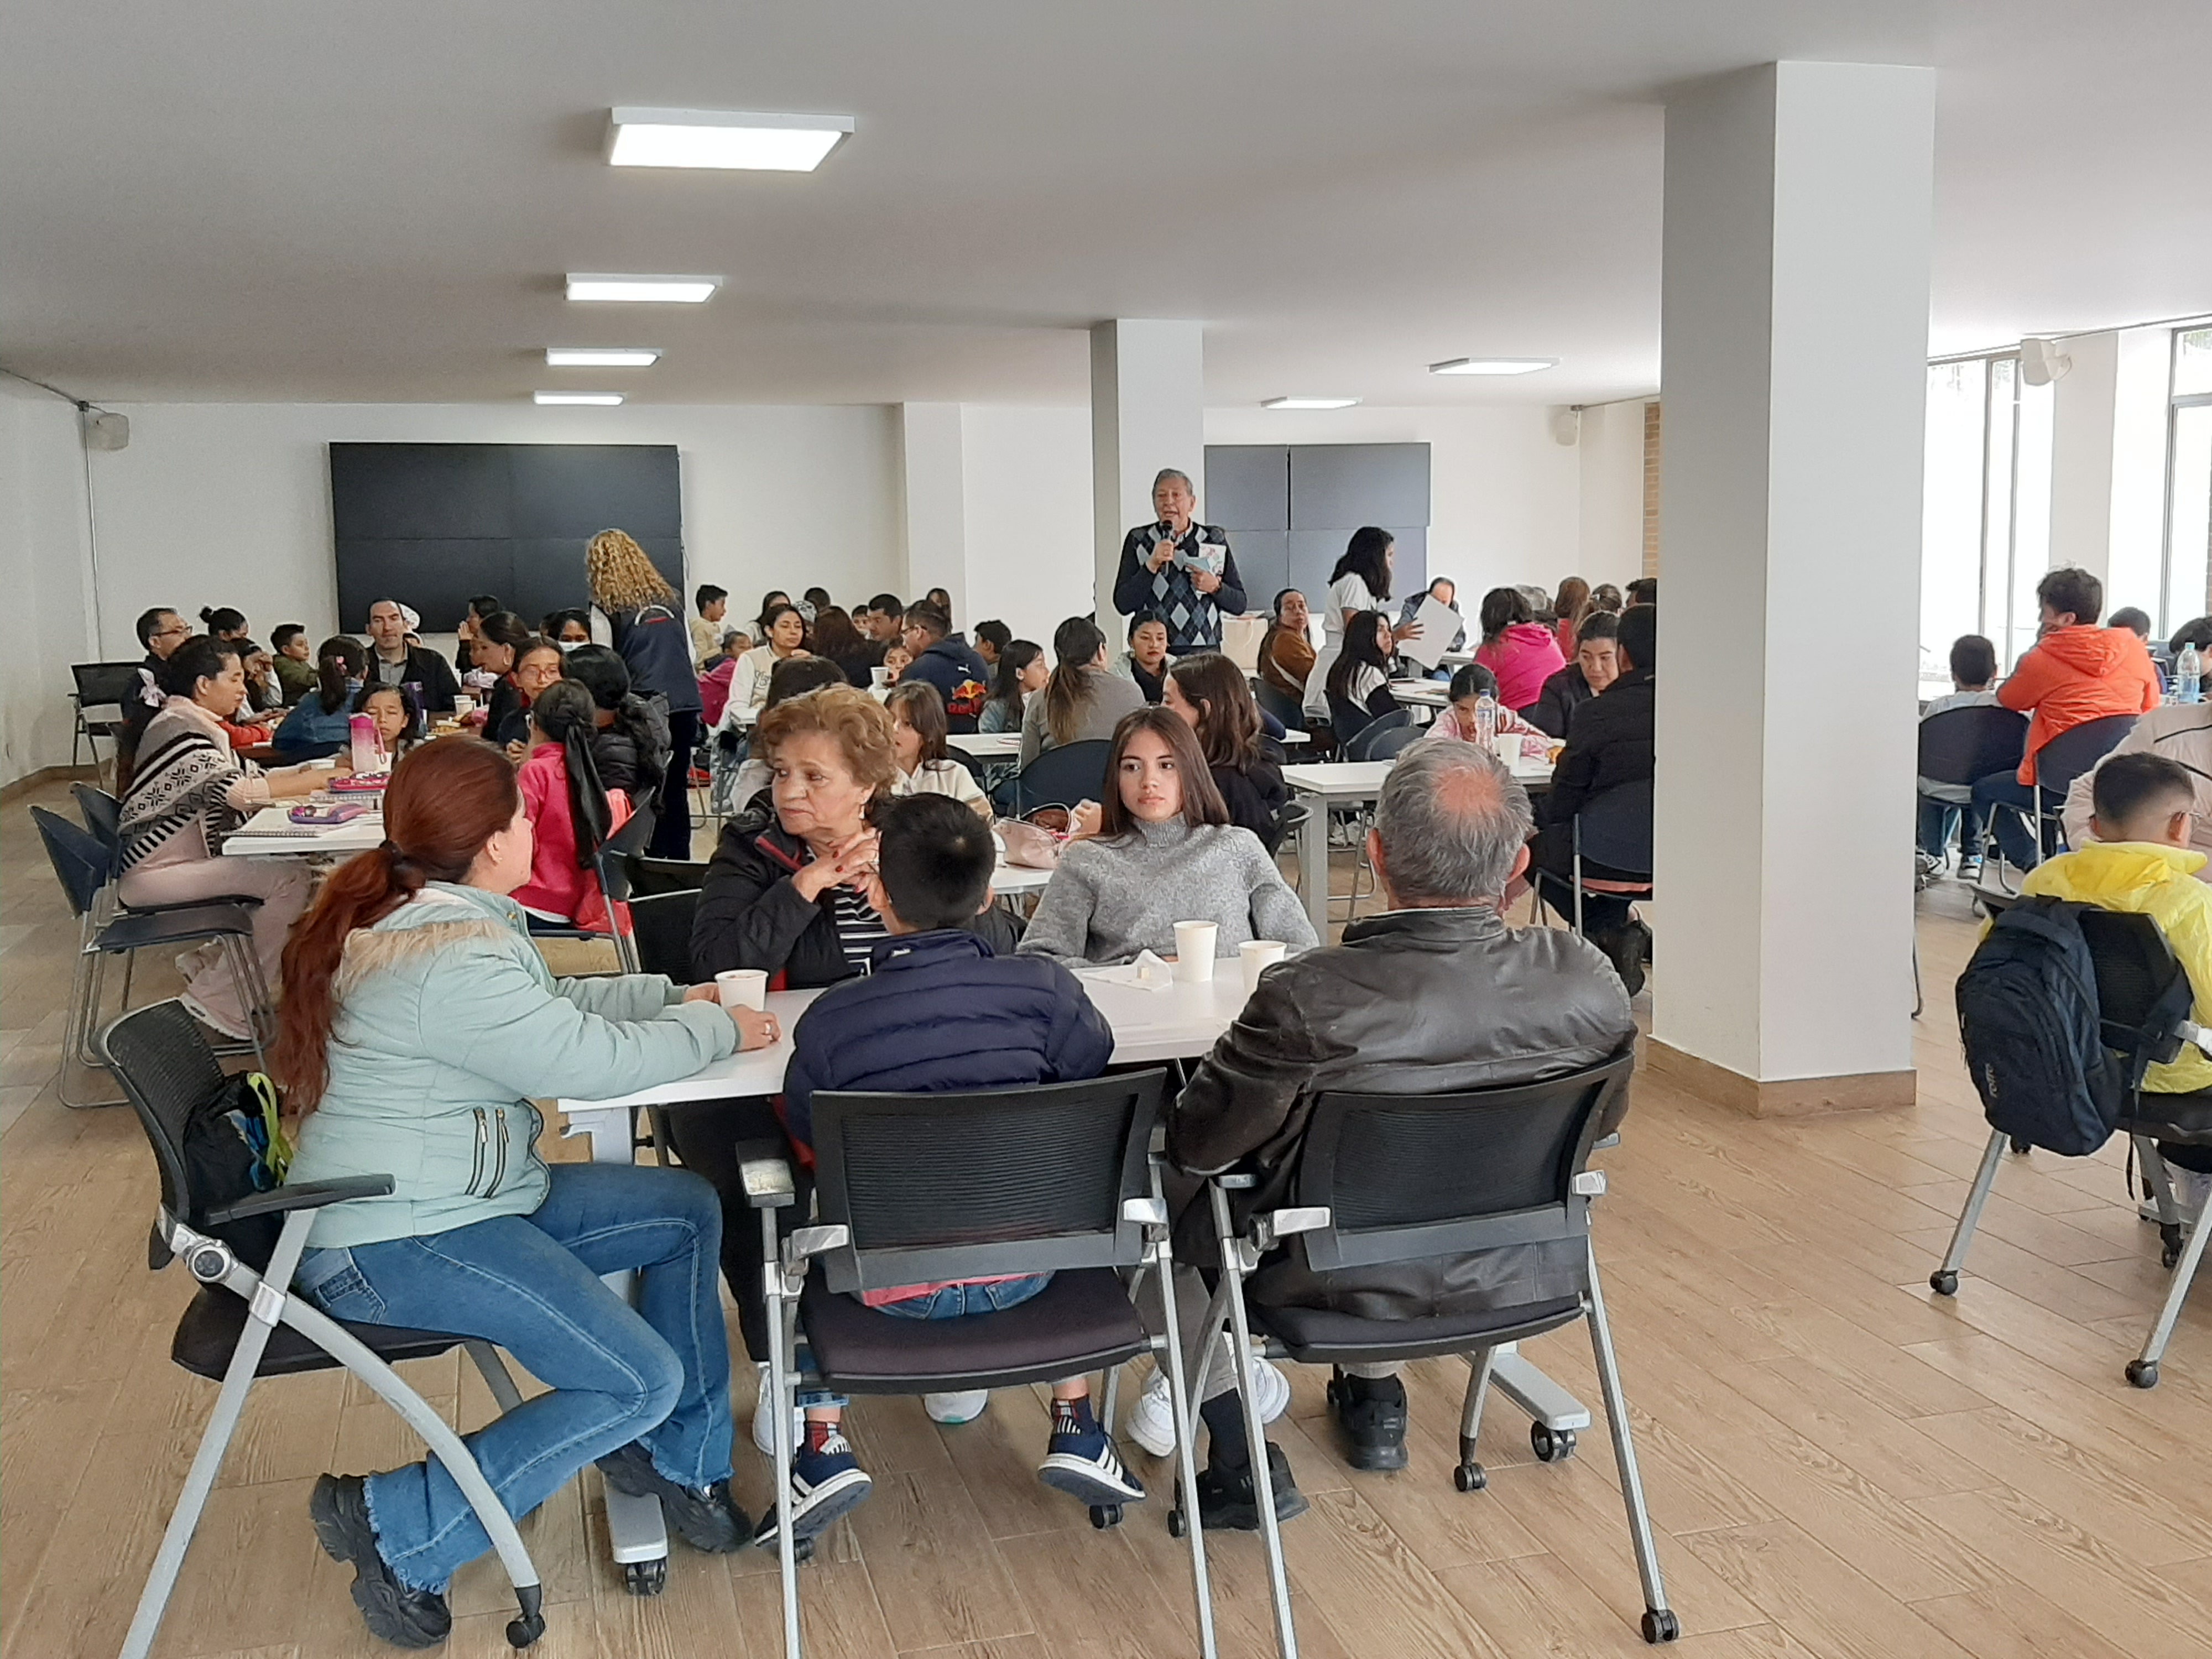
<point>1062,776</point>
<point>106,930</point>
<point>928,1187</point>
<point>1385,1179</point>
<point>2144,1009</point>
<point>245,1324</point>
<point>612,862</point>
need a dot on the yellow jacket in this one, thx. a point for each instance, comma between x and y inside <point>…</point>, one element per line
<point>2155,880</point>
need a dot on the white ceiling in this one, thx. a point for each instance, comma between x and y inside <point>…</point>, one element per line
<point>263,199</point>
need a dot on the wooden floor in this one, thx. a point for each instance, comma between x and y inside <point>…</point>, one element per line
<point>1838,1462</point>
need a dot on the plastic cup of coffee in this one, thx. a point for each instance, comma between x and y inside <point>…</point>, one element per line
<point>1256,955</point>
<point>1506,745</point>
<point>742,987</point>
<point>463,705</point>
<point>1193,963</point>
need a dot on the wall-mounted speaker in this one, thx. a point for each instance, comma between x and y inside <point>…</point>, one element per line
<point>1567,426</point>
<point>2041,362</point>
<point>104,429</point>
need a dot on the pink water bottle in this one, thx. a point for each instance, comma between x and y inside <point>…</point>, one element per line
<point>368,746</point>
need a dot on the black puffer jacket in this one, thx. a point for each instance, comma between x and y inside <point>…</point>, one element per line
<point>1610,741</point>
<point>632,754</point>
<point>1412,1002</point>
<point>749,915</point>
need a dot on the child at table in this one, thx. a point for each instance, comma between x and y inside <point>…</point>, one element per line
<point>571,815</point>
<point>392,707</point>
<point>942,1012</point>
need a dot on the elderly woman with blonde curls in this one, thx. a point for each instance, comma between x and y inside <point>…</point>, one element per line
<point>635,611</point>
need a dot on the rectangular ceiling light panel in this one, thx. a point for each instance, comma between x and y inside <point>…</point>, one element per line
<point>662,290</point>
<point>601,356</point>
<point>723,138</point>
<point>1493,365</point>
<point>1309,403</point>
<point>594,399</point>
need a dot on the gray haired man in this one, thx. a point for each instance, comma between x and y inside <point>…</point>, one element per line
<point>1435,995</point>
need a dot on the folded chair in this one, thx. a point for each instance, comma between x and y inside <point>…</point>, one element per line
<point>84,868</point>
<point>244,1324</point>
<point>2144,1003</point>
<point>922,1188</point>
<point>1391,1178</point>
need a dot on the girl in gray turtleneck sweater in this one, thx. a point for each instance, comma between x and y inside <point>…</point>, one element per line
<point>1165,852</point>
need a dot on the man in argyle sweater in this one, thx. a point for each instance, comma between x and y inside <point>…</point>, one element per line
<point>1182,571</point>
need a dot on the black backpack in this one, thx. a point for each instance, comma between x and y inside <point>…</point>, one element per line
<point>2028,1018</point>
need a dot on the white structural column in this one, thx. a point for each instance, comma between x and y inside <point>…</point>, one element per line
<point>1793,309</point>
<point>2108,465</point>
<point>1147,411</point>
<point>933,492</point>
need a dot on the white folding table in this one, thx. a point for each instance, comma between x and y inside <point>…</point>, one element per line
<point>270,831</point>
<point>987,745</point>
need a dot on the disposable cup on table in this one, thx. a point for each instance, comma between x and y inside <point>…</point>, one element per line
<point>1257,954</point>
<point>742,987</point>
<point>1194,941</point>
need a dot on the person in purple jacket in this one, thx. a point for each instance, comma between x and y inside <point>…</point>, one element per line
<point>940,1012</point>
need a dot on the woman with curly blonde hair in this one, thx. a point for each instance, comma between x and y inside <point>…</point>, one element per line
<point>635,611</point>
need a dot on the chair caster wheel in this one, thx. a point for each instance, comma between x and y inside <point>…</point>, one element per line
<point>1551,1446</point>
<point>2143,1373</point>
<point>1104,1515</point>
<point>521,1632</point>
<point>1470,1477</point>
<point>1176,1525</point>
<point>2020,1147</point>
<point>802,1549</point>
<point>2169,1247</point>
<point>644,1578</point>
<point>1943,1284</point>
<point>1660,1625</point>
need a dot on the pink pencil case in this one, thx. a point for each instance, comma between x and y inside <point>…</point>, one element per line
<point>320,818</point>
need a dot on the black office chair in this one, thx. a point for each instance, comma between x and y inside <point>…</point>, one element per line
<point>660,928</point>
<point>2144,1001</point>
<point>84,868</point>
<point>2057,763</point>
<point>1405,1178</point>
<point>1385,738</point>
<point>1278,702</point>
<point>1347,719</point>
<point>648,876</point>
<point>919,1188</point>
<point>99,685</point>
<point>612,862</point>
<point>1613,829</point>
<point>1061,777</point>
<point>245,1325</point>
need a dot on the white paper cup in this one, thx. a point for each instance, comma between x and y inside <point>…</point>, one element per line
<point>463,705</point>
<point>879,676</point>
<point>1193,963</point>
<point>1257,954</point>
<point>1506,745</point>
<point>742,987</point>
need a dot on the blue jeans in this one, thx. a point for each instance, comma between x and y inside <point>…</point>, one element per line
<point>1940,818</point>
<point>658,1373</point>
<point>956,1301</point>
<point>2015,838</point>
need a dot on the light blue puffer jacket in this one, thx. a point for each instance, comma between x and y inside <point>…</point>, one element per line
<point>448,1023</point>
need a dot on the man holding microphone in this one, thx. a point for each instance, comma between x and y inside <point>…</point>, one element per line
<point>1181,569</point>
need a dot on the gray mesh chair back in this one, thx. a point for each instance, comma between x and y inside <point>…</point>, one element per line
<point>965,1185</point>
<point>1963,745</point>
<point>1061,777</point>
<point>99,683</point>
<point>167,1072</point>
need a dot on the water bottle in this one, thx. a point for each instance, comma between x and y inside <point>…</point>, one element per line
<point>367,746</point>
<point>1485,722</point>
<point>2189,676</point>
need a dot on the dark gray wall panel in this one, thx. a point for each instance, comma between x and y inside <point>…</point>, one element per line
<point>1343,486</point>
<point>1312,554</point>
<point>1248,487</point>
<point>1263,559</point>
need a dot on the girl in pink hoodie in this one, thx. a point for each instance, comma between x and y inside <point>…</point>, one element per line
<point>1520,650</point>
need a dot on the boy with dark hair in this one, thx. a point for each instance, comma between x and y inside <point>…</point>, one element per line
<point>2076,673</point>
<point>713,605</point>
<point>886,615</point>
<point>943,660</point>
<point>295,661</point>
<point>1973,668</point>
<point>941,1012</point>
<point>2143,807</point>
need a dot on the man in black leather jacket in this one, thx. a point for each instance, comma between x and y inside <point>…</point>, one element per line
<point>1436,994</point>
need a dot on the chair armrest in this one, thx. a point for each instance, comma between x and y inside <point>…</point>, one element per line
<point>1281,1224</point>
<point>303,1196</point>
<point>1236,1180</point>
<point>1606,1143</point>
<point>768,1183</point>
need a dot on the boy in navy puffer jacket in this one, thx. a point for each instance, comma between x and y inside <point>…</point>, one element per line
<point>941,1012</point>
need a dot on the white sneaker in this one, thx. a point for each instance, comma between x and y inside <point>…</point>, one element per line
<point>963,1407</point>
<point>1151,1420</point>
<point>764,1430</point>
<point>2191,1188</point>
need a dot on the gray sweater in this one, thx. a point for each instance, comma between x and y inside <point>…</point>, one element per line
<point>1112,696</point>
<point>1110,899</point>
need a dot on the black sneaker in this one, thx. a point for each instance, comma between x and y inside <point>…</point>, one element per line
<point>1372,1414</point>
<point>707,1517</point>
<point>406,1617</point>
<point>1628,949</point>
<point>1227,1502</point>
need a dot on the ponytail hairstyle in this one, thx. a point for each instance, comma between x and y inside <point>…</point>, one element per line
<point>339,661</point>
<point>223,620</point>
<point>1076,644</point>
<point>1006,679</point>
<point>445,801</point>
<point>566,712</point>
<point>199,657</point>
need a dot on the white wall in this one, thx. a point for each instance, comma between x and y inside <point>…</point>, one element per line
<point>1612,527</point>
<point>229,503</point>
<point>1026,478</point>
<point>1505,502</point>
<point>43,562</point>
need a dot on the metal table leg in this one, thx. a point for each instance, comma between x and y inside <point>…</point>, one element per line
<point>1313,863</point>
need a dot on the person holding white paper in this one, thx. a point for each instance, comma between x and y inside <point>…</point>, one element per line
<point>1443,594</point>
<point>1179,569</point>
<point>1360,581</point>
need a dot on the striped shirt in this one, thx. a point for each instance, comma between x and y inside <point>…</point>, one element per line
<point>860,928</point>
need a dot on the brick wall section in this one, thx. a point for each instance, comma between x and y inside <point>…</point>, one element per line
<point>1651,489</point>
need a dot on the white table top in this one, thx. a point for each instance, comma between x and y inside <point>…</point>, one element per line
<point>1174,1024</point>
<point>1433,693</point>
<point>987,745</point>
<point>272,831</point>
<point>1361,780</point>
<point>1017,879</point>
<point>1295,739</point>
<point>1456,658</point>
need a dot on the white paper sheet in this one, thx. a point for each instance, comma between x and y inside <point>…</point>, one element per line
<point>1439,623</point>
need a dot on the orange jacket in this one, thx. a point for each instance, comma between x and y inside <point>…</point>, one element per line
<point>2077,675</point>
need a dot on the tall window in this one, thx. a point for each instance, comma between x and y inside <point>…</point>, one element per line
<point>2188,585</point>
<point>1985,529</point>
